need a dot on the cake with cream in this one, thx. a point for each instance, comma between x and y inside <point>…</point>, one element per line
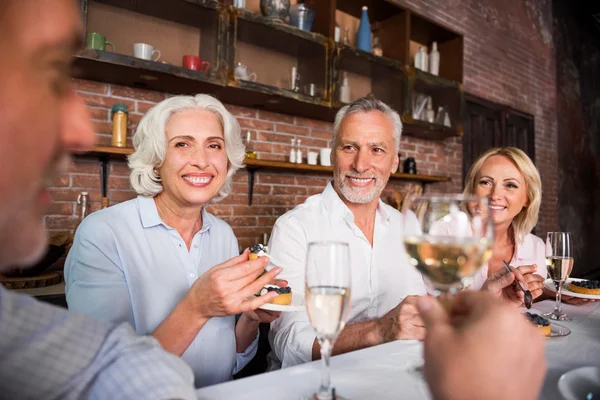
<point>258,250</point>
<point>542,323</point>
<point>285,294</point>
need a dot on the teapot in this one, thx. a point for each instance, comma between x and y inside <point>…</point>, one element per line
<point>242,72</point>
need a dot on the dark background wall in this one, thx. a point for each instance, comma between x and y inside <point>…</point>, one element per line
<point>577,43</point>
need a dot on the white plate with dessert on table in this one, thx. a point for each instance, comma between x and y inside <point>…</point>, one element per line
<point>575,287</point>
<point>287,299</point>
<point>548,328</point>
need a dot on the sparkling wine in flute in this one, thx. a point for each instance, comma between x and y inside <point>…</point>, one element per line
<point>559,268</point>
<point>446,260</point>
<point>327,308</point>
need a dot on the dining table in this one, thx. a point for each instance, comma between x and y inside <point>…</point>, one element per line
<point>391,370</point>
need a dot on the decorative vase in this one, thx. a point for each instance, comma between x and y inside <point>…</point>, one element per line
<point>363,36</point>
<point>276,9</point>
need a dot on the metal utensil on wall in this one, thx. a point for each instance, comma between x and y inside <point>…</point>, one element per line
<point>104,182</point>
<point>82,200</point>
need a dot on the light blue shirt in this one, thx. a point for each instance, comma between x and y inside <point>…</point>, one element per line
<point>127,265</point>
<point>49,353</point>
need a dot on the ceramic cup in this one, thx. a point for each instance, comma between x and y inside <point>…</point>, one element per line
<point>325,155</point>
<point>145,51</point>
<point>312,157</point>
<point>97,41</point>
<point>195,63</point>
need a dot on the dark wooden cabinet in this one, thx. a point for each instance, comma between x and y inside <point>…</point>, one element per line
<point>490,125</point>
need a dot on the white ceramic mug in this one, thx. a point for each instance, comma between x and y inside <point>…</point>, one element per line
<point>145,51</point>
<point>325,157</point>
<point>312,157</point>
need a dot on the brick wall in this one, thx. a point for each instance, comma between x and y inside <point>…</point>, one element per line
<point>508,59</point>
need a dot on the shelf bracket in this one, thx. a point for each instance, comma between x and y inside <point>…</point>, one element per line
<point>250,185</point>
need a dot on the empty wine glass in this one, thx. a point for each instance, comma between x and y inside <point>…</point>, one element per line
<point>327,293</point>
<point>559,262</point>
<point>451,238</point>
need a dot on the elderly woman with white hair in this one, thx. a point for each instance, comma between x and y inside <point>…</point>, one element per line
<point>161,261</point>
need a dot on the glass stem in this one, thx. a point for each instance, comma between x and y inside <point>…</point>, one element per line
<point>325,389</point>
<point>557,305</point>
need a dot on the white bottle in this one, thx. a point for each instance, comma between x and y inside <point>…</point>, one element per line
<point>429,113</point>
<point>424,59</point>
<point>292,153</point>
<point>345,96</point>
<point>299,153</point>
<point>419,60</point>
<point>434,60</point>
<point>337,33</point>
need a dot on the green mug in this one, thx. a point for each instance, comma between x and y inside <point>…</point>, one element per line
<point>97,41</point>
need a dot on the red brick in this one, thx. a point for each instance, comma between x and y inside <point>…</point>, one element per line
<point>277,190</point>
<point>258,189</point>
<point>138,94</point>
<point>144,106</point>
<point>60,181</point>
<point>327,135</point>
<point>89,86</point>
<point>240,176</point>
<point>246,123</point>
<point>219,210</point>
<point>118,168</point>
<point>249,232</point>
<point>274,137</point>
<point>241,111</point>
<point>60,222</point>
<point>240,221</point>
<point>293,129</point>
<point>255,210</point>
<point>94,100</point>
<point>313,181</point>
<point>273,200</point>
<point>274,179</point>
<point>245,242</point>
<point>133,121</point>
<point>60,209</point>
<point>85,181</point>
<point>103,127</point>
<point>69,194</point>
<point>317,143</point>
<point>118,196</point>
<point>84,165</point>
<point>98,114</point>
<point>266,221</point>
<point>311,123</point>
<point>275,117</point>
<point>235,199</point>
<point>262,146</point>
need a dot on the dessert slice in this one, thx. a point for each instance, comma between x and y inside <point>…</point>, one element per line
<point>585,287</point>
<point>285,294</point>
<point>258,250</point>
<point>542,323</point>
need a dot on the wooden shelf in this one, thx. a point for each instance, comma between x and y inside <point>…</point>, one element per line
<point>108,151</point>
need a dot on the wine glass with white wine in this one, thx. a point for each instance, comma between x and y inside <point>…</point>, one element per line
<point>454,239</point>
<point>559,262</point>
<point>327,293</point>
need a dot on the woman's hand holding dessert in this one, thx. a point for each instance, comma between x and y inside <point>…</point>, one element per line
<point>228,288</point>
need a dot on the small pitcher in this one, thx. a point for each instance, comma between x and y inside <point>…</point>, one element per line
<point>243,73</point>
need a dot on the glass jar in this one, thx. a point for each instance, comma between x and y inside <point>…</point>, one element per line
<point>120,114</point>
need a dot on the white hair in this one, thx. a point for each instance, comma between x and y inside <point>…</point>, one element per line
<point>366,104</point>
<point>150,142</point>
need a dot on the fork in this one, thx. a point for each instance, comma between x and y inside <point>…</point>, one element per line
<point>526,293</point>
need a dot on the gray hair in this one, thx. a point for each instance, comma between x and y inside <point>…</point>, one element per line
<point>366,104</point>
<point>150,143</point>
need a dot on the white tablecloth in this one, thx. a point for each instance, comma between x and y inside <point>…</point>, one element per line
<point>387,371</point>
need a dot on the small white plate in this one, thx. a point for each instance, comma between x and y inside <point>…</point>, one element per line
<point>557,330</point>
<point>296,306</point>
<point>549,284</point>
<point>581,383</point>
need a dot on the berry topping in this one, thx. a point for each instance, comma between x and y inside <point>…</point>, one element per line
<point>257,248</point>
<point>537,319</point>
<point>586,284</point>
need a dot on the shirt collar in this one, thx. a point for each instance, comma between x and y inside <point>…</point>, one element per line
<point>524,249</point>
<point>149,214</point>
<point>339,210</point>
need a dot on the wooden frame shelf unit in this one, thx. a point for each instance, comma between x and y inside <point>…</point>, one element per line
<point>259,43</point>
<point>213,28</point>
<point>253,165</point>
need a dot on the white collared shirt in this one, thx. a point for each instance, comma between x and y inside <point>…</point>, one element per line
<point>381,275</point>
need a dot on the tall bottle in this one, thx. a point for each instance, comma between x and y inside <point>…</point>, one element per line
<point>434,60</point>
<point>120,114</point>
<point>293,152</point>
<point>363,36</point>
<point>421,60</point>
<point>345,96</point>
<point>299,153</point>
<point>429,112</point>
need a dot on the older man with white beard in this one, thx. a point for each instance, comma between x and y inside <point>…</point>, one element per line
<point>384,286</point>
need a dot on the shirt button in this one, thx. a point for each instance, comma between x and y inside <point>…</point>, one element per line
<point>179,245</point>
<point>195,246</point>
<point>192,275</point>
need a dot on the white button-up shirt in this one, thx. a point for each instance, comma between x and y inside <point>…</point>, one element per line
<point>126,265</point>
<point>381,275</point>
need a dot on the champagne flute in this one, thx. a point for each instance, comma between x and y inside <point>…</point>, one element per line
<point>451,238</point>
<point>559,262</point>
<point>327,294</point>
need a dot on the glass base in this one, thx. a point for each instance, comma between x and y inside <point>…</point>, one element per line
<point>326,396</point>
<point>557,316</point>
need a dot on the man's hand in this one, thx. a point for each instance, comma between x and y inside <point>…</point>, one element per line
<point>485,349</point>
<point>402,322</point>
